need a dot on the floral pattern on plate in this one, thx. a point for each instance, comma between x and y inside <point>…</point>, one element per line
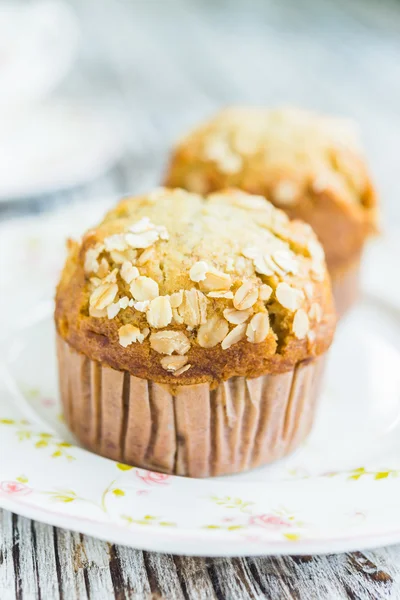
<point>339,491</point>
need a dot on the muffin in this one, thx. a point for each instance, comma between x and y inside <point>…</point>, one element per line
<point>192,332</point>
<point>309,165</point>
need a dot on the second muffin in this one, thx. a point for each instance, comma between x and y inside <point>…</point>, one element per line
<point>191,332</point>
<point>309,165</point>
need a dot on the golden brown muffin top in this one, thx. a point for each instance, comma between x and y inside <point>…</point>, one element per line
<point>176,287</point>
<point>303,162</point>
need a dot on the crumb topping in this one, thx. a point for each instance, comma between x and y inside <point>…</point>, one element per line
<point>184,270</point>
<point>287,151</point>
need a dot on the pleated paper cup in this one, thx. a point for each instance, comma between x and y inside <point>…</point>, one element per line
<point>188,430</point>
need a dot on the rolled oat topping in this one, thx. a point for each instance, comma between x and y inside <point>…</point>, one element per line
<point>300,324</point>
<point>212,332</point>
<point>144,288</point>
<point>234,336</point>
<point>159,313</point>
<point>285,261</point>
<point>216,280</point>
<point>182,370</point>
<point>141,306</point>
<point>288,296</point>
<point>129,272</point>
<point>168,342</point>
<point>104,268</point>
<point>258,328</point>
<point>91,263</point>
<point>124,302</point>
<point>116,242</point>
<point>173,363</point>
<point>113,309</point>
<point>120,257</point>
<point>128,334</point>
<point>285,150</point>
<point>219,296</point>
<point>103,296</point>
<point>265,292</point>
<point>146,256</point>
<point>245,296</point>
<point>315,312</point>
<point>176,299</point>
<point>111,277</point>
<point>144,234</point>
<point>198,271</point>
<point>193,308</point>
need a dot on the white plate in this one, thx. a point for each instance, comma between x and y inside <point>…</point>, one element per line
<point>38,42</point>
<point>339,491</point>
<point>55,146</point>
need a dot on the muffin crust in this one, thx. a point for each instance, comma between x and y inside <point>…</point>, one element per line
<point>184,289</point>
<point>309,165</point>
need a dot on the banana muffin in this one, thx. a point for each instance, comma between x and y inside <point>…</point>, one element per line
<point>309,165</point>
<point>192,332</point>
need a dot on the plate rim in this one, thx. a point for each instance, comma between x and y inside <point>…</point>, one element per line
<point>197,542</point>
<point>173,540</point>
<point>170,544</point>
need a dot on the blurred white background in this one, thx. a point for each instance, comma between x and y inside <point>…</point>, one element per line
<point>162,65</point>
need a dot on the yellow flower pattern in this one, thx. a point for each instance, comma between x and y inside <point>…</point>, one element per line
<point>148,520</point>
<point>238,515</point>
<point>356,474</point>
<point>229,502</point>
<point>40,440</point>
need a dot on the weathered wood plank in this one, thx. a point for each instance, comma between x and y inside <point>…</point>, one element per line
<point>70,565</point>
<point>194,577</point>
<point>333,576</point>
<point>231,580</point>
<point>374,567</point>
<point>38,562</point>
<point>95,558</point>
<point>24,556</point>
<point>163,576</point>
<point>45,560</point>
<point>7,570</point>
<point>267,573</point>
<point>129,573</point>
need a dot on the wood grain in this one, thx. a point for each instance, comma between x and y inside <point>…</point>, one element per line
<point>39,562</point>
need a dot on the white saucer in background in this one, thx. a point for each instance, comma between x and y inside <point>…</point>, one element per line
<point>38,43</point>
<point>56,146</point>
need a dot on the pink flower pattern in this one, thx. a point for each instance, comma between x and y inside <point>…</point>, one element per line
<point>48,402</point>
<point>269,521</point>
<point>150,477</point>
<point>15,488</point>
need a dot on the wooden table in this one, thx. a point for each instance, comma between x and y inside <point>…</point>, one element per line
<point>42,562</point>
<point>167,63</point>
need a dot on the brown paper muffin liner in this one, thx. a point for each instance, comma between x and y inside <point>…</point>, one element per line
<point>346,286</point>
<point>195,431</point>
